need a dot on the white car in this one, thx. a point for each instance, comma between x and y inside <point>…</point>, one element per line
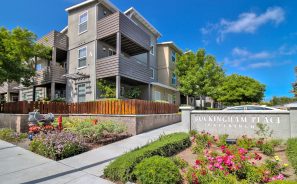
<point>250,107</point>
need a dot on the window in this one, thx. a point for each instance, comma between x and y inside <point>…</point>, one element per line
<point>152,73</point>
<point>83,23</point>
<point>81,92</point>
<point>152,51</point>
<point>173,79</point>
<point>173,56</point>
<point>82,57</point>
<point>157,95</point>
<point>170,99</point>
<point>38,67</point>
<point>111,52</point>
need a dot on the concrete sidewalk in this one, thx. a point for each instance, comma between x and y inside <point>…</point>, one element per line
<point>18,165</point>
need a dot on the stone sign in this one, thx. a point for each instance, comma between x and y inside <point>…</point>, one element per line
<point>238,123</point>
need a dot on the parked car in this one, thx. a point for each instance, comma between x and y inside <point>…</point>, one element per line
<point>249,107</point>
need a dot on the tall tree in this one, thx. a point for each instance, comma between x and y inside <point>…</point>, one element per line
<point>294,85</point>
<point>237,89</point>
<point>17,48</point>
<point>199,74</point>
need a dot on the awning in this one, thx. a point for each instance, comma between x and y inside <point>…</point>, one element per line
<point>76,76</point>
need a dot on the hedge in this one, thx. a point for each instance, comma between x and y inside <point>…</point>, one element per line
<point>122,168</point>
<point>292,152</point>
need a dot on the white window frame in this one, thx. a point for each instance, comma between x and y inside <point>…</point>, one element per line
<point>79,23</point>
<point>152,49</point>
<point>113,52</point>
<point>172,51</point>
<point>80,67</point>
<point>153,77</point>
<point>174,79</point>
<point>78,86</point>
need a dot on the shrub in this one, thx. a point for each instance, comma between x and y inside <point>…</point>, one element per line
<point>245,142</point>
<point>121,169</point>
<point>57,146</point>
<point>157,169</point>
<point>179,162</point>
<point>93,133</point>
<point>283,182</point>
<point>222,140</point>
<point>292,152</point>
<point>193,132</point>
<point>9,135</point>
<point>198,148</point>
<point>267,148</point>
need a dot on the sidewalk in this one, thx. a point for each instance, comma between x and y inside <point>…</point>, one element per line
<point>18,165</point>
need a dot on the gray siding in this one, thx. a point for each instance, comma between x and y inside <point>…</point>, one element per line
<point>107,67</point>
<point>50,74</point>
<point>54,39</point>
<point>119,22</point>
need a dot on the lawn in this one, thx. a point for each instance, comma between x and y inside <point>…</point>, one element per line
<point>202,158</point>
<point>77,136</point>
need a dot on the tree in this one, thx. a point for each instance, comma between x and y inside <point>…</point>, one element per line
<point>294,85</point>
<point>17,48</point>
<point>281,100</point>
<point>237,89</point>
<point>199,74</point>
<point>107,88</point>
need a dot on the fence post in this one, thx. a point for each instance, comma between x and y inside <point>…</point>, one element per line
<point>186,117</point>
<point>293,121</point>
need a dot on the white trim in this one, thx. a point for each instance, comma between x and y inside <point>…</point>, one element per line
<point>107,2</point>
<point>153,73</point>
<point>163,86</point>
<point>79,23</point>
<point>172,44</point>
<point>78,58</point>
<point>64,30</point>
<point>152,45</point>
<point>144,21</point>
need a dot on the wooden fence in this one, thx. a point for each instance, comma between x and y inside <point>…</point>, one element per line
<point>122,107</point>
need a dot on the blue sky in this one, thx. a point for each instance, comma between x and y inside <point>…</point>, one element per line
<point>253,38</point>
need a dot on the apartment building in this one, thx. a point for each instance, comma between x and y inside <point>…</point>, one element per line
<point>101,42</point>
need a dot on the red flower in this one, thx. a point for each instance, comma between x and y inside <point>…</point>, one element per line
<point>198,162</point>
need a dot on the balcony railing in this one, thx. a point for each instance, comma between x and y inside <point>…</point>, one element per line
<point>118,22</point>
<point>52,73</point>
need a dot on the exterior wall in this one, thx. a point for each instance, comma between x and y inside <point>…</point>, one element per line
<point>164,94</point>
<point>77,41</point>
<point>136,124</point>
<point>238,123</point>
<point>27,94</point>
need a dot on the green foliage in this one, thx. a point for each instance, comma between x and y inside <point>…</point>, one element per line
<point>198,148</point>
<point>222,140</point>
<point>157,169</point>
<point>133,93</point>
<point>193,132</point>
<point>283,182</point>
<point>267,148</point>
<point>273,167</point>
<point>17,48</point>
<point>237,88</point>
<point>249,172</point>
<point>179,162</point>
<point>93,133</point>
<point>245,142</point>
<point>199,74</point>
<point>122,168</point>
<point>263,131</point>
<point>9,135</point>
<point>292,152</point>
<point>107,88</point>
<point>282,100</point>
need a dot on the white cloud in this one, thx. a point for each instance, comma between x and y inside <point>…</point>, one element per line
<point>240,52</point>
<point>260,65</point>
<point>288,50</point>
<point>246,23</point>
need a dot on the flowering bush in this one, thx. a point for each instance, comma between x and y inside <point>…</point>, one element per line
<point>232,163</point>
<point>56,145</point>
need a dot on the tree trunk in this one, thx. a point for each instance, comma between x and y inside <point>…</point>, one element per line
<point>200,102</point>
<point>187,97</point>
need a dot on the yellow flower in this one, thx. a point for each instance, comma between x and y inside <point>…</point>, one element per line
<point>276,158</point>
<point>286,165</point>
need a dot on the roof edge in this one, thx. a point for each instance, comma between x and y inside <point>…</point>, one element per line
<point>172,44</point>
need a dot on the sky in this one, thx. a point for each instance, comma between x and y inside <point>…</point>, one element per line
<point>253,38</point>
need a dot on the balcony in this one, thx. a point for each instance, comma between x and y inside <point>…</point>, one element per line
<point>52,73</point>
<point>55,39</point>
<point>134,40</point>
<point>124,66</point>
